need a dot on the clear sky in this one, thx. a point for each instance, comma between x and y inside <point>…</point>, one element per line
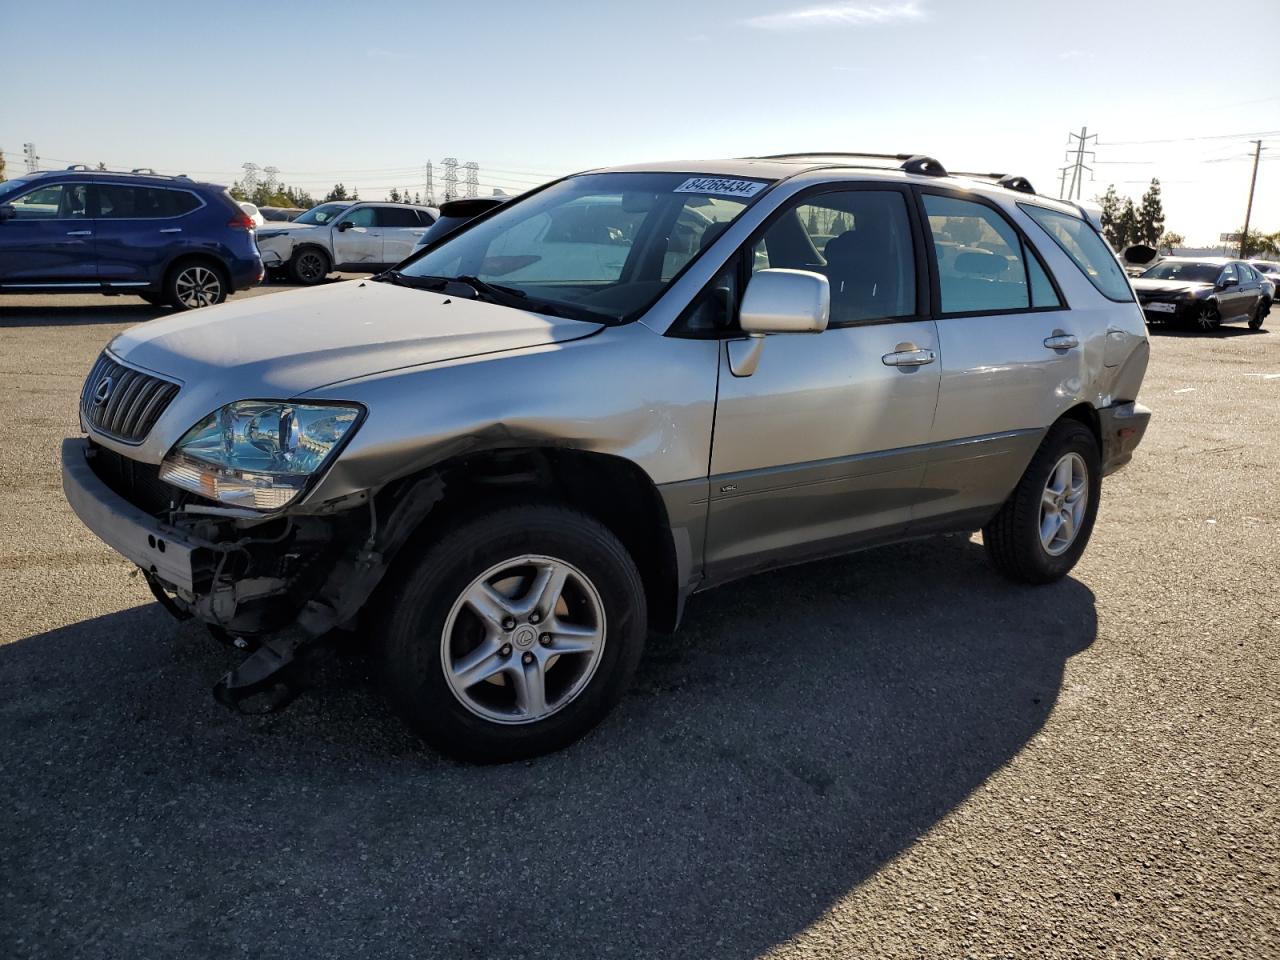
<point>367,92</point>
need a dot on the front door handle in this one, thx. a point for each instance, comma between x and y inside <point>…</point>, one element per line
<point>1061,341</point>
<point>908,356</point>
<point>79,233</point>
<point>171,230</point>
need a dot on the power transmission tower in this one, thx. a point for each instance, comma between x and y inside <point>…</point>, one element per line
<point>250,180</point>
<point>1079,168</point>
<point>473,178</point>
<point>1062,184</point>
<point>29,154</point>
<point>429,196</point>
<point>450,178</point>
<point>1248,212</point>
<point>273,178</point>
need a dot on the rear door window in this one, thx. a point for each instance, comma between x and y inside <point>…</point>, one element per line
<point>396,217</point>
<point>1081,243</point>
<point>981,266</point>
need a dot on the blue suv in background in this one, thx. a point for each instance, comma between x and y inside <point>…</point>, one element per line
<point>166,239</point>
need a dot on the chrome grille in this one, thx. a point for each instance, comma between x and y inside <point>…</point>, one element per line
<point>123,403</point>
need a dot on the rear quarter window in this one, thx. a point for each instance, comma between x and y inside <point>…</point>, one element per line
<point>1081,243</point>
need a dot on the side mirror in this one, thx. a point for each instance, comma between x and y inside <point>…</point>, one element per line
<point>7,212</point>
<point>345,225</point>
<point>1227,282</point>
<point>778,301</point>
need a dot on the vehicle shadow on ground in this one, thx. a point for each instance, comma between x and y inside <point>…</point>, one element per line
<point>803,729</point>
<point>15,313</point>
<point>1220,333</point>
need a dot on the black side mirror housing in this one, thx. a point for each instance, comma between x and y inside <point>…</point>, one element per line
<point>345,225</point>
<point>7,212</point>
<point>1227,282</point>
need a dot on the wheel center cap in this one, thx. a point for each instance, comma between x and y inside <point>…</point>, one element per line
<point>524,637</point>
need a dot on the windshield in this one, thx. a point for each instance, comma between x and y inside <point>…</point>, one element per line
<point>599,247</point>
<point>1181,270</point>
<point>1270,269</point>
<point>322,214</point>
<point>10,187</point>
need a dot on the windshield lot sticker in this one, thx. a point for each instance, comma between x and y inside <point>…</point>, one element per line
<point>721,187</point>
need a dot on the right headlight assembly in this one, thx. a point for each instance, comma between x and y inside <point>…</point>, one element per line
<point>259,453</point>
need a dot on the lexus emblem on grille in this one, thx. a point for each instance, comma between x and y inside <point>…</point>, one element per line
<point>102,393</point>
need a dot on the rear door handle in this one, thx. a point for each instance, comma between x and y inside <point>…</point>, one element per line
<point>1061,341</point>
<point>913,357</point>
<point>171,230</point>
<point>79,233</point>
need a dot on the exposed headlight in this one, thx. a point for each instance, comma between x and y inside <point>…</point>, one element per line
<point>258,453</point>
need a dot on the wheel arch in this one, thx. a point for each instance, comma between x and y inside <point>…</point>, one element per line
<point>611,489</point>
<point>1086,414</point>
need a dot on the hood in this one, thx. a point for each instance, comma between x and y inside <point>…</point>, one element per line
<point>287,226</point>
<point>282,345</point>
<point>1156,288</point>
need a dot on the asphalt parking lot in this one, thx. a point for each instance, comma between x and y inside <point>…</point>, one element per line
<point>896,754</point>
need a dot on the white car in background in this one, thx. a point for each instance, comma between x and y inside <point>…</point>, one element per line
<point>364,237</point>
<point>254,213</point>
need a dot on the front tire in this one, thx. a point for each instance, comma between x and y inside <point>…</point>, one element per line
<point>309,266</point>
<point>1044,526</point>
<point>194,284</point>
<point>1206,318</point>
<point>514,633</point>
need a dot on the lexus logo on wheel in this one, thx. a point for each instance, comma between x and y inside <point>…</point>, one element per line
<point>102,392</point>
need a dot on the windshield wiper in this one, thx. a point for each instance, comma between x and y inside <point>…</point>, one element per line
<point>498,293</point>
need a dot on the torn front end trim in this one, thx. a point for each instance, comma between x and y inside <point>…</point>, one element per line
<point>283,579</point>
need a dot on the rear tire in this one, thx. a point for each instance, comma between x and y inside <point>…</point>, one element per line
<point>309,266</point>
<point>192,284</point>
<point>1260,314</point>
<point>1026,540</point>
<point>492,680</point>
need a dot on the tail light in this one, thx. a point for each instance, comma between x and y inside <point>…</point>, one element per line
<point>242,222</point>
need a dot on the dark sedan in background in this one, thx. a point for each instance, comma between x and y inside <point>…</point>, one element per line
<point>1204,293</point>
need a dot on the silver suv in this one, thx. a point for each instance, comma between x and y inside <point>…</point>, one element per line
<point>509,459</point>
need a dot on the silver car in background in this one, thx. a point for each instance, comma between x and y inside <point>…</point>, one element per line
<point>343,235</point>
<point>508,460</point>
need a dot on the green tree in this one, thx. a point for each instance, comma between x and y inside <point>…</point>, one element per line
<point>1150,216</point>
<point>339,192</point>
<point>1110,203</point>
<point>1,166</point>
<point>1126,226</point>
<point>1258,244</point>
<point>1171,240</point>
<point>355,193</point>
<point>394,195</point>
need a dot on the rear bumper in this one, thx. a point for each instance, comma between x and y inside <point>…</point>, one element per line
<point>246,272</point>
<point>153,546</point>
<point>1123,427</point>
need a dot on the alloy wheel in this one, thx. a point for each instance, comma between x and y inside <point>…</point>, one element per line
<point>311,267</point>
<point>198,286</point>
<point>523,639</point>
<point>1206,318</point>
<point>1063,503</point>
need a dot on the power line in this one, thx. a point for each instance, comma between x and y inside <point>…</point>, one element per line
<point>1215,136</point>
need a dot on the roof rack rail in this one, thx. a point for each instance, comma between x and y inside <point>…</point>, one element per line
<point>1010,181</point>
<point>79,166</point>
<point>145,170</point>
<point>835,153</point>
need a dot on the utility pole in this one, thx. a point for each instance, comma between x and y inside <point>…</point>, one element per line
<point>250,181</point>
<point>428,197</point>
<point>472,178</point>
<point>29,154</point>
<point>1078,166</point>
<point>1062,183</point>
<point>450,178</point>
<point>1244,236</point>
